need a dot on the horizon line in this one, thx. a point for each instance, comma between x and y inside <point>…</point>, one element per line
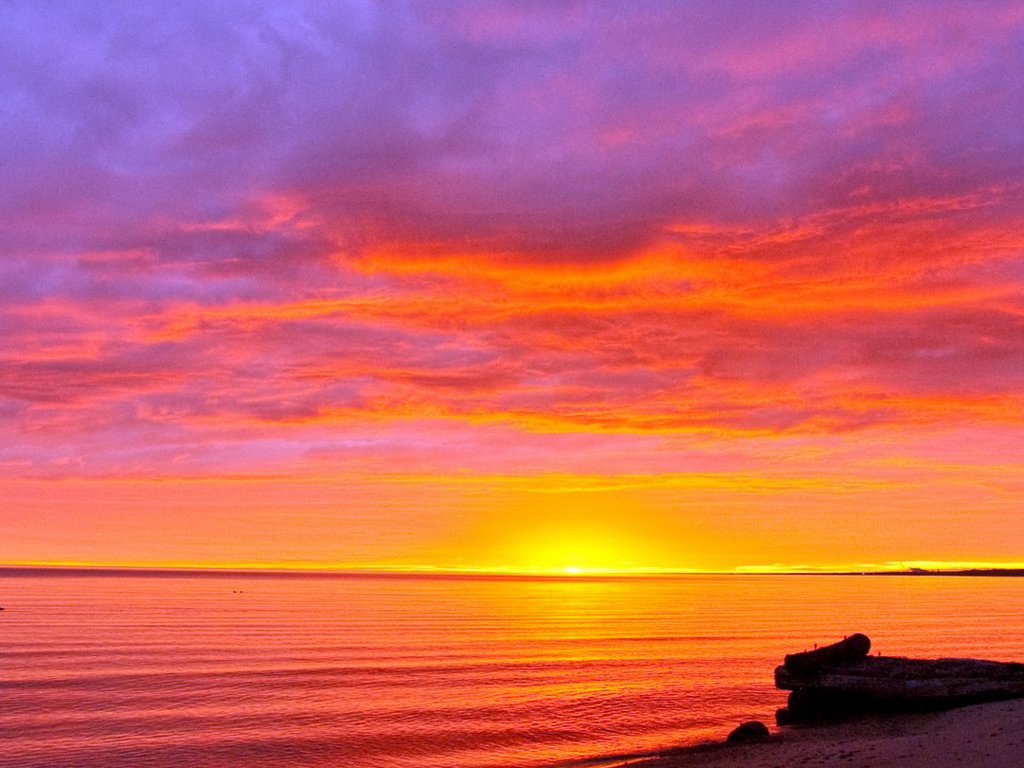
<point>898,568</point>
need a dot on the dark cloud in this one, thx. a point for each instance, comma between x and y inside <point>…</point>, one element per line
<point>562,131</point>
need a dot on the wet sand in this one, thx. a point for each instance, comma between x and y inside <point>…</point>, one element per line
<point>988,735</point>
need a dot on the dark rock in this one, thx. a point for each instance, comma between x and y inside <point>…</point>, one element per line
<point>813,704</point>
<point>752,730</point>
<point>783,716</point>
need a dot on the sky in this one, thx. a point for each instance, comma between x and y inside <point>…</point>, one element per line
<point>517,286</point>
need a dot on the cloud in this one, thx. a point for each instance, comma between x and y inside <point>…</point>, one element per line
<point>562,133</point>
<point>267,231</point>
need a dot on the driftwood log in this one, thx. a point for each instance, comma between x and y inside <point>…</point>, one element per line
<point>838,681</point>
<point>849,649</point>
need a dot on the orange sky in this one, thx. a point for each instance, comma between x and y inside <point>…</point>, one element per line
<point>484,286</point>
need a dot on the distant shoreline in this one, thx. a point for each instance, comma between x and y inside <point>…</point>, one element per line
<point>964,572</point>
<point>233,572</point>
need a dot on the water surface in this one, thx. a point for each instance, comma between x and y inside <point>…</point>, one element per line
<point>233,670</point>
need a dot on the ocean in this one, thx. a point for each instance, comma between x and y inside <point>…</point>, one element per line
<point>217,670</point>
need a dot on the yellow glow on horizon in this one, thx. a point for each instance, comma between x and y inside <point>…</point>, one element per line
<point>934,566</point>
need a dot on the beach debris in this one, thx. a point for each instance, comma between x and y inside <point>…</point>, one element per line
<point>842,680</point>
<point>849,649</point>
<point>750,731</point>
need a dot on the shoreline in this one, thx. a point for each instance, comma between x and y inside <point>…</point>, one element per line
<point>990,735</point>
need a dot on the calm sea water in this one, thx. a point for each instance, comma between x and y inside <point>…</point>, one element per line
<point>235,670</point>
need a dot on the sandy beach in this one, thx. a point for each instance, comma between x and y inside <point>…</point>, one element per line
<point>989,735</point>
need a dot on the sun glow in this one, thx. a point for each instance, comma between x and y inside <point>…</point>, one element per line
<point>576,549</point>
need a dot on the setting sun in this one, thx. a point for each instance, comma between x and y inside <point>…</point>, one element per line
<point>569,535</point>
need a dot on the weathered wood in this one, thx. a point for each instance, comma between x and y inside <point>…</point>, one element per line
<point>847,650</point>
<point>833,682</point>
<point>909,678</point>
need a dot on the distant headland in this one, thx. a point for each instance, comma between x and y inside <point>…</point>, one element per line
<point>958,572</point>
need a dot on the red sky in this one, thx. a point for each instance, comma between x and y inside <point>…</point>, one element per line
<point>524,285</point>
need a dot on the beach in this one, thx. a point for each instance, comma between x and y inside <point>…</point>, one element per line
<point>989,735</point>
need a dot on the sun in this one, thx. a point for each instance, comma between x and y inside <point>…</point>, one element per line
<point>562,535</point>
<point>575,551</point>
